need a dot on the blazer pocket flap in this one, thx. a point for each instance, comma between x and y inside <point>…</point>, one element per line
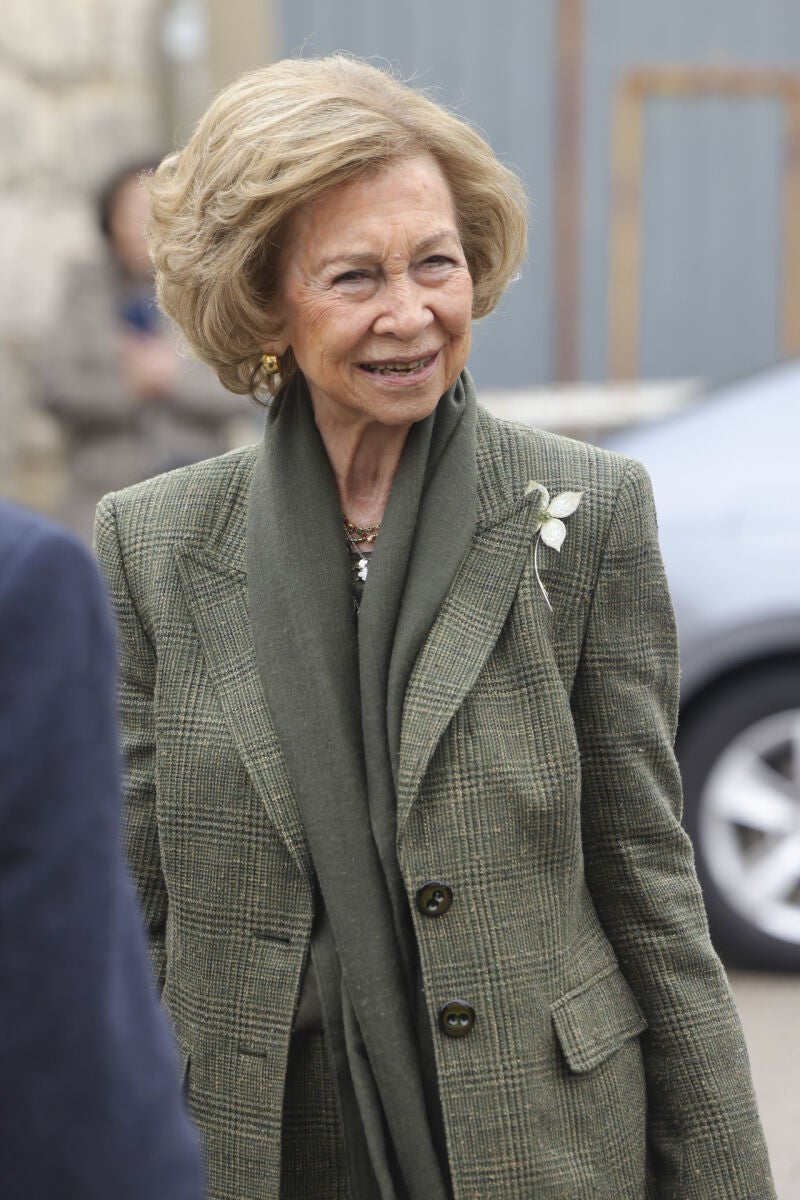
<point>593,1020</point>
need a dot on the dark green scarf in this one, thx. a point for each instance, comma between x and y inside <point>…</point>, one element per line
<point>335,693</point>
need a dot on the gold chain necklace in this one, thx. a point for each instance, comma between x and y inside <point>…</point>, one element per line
<point>360,533</point>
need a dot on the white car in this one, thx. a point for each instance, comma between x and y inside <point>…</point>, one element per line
<point>726,476</point>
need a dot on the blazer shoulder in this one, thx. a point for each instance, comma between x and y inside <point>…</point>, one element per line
<point>194,503</point>
<point>510,455</point>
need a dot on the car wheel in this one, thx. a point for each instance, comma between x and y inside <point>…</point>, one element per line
<point>739,750</point>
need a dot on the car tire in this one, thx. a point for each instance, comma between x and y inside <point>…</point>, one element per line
<point>739,752</point>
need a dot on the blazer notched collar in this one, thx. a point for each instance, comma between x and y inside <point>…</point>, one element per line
<point>214,577</point>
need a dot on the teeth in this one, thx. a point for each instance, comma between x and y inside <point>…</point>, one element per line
<point>399,368</point>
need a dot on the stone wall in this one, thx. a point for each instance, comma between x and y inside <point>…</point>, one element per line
<point>78,96</point>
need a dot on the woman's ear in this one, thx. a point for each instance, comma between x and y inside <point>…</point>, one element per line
<point>275,345</point>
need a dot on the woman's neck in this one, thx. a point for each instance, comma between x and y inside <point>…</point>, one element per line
<point>364,459</point>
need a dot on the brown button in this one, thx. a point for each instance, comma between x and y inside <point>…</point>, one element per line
<point>456,1018</point>
<point>434,898</point>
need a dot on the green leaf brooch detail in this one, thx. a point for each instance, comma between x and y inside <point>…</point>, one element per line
<point>550,527</point>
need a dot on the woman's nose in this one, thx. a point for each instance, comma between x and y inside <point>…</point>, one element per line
<point>405,312</point>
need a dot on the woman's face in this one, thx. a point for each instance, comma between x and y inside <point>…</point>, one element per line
<point>377,297</point>
<point>127,223</point>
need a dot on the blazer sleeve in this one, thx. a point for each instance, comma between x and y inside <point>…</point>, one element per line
<point>137,668</point>
<point>705,1132</point>
<point>90,1098</point>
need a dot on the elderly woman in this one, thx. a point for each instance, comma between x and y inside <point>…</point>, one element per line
<point>402,804</point>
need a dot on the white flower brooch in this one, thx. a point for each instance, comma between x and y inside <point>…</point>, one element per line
<point>550,527</point>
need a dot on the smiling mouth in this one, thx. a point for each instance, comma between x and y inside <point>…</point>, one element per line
<point>399,368</point>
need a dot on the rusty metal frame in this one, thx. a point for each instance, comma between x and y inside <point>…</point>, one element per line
<point>626,209</point>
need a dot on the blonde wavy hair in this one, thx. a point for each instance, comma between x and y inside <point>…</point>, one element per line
<point>276,139</point>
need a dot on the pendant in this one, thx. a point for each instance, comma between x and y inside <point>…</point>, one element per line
<point>362,566</point>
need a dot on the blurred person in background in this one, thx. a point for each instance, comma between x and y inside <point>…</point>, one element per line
<point>402,805</point>
<point>130,405</point>
<point>90,1096</point>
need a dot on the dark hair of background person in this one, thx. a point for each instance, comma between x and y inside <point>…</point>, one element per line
<point>107,195</point>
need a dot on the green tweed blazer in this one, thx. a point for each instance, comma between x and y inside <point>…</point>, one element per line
<point>536,778</point>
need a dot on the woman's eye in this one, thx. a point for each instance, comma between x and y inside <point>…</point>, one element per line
<point>438,260</point>
<point>351,277</point>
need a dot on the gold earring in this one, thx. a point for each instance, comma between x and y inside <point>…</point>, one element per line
<point>271,365</point>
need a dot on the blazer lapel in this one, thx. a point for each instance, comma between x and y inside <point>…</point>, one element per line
<point>456,649</point>
<point>461,639</point>
<point>216,591</point>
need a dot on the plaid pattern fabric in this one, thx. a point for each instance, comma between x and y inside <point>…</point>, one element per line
<point>536,778</point>
<point>313,1162</point>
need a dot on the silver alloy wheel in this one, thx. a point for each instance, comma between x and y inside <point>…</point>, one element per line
<point>749,823</point>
